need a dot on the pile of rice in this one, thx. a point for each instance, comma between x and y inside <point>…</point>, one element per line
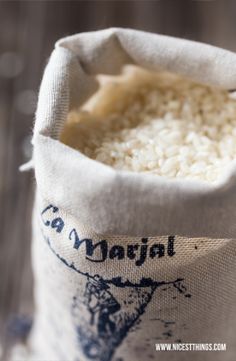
<point>157,123</point>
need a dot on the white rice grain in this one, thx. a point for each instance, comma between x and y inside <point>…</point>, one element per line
<point>165,124</point>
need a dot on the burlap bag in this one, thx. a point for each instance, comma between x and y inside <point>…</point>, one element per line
<point>123,260</point>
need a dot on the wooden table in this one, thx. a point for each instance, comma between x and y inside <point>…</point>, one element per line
<point>28,30</point>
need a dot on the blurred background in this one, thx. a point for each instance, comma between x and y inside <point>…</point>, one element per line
<point>28,31</point>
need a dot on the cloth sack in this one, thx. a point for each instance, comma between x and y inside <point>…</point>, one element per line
<point>124,261</point>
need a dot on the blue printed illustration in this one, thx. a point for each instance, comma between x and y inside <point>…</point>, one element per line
<point>109,308</point>
<point>102,321</point>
